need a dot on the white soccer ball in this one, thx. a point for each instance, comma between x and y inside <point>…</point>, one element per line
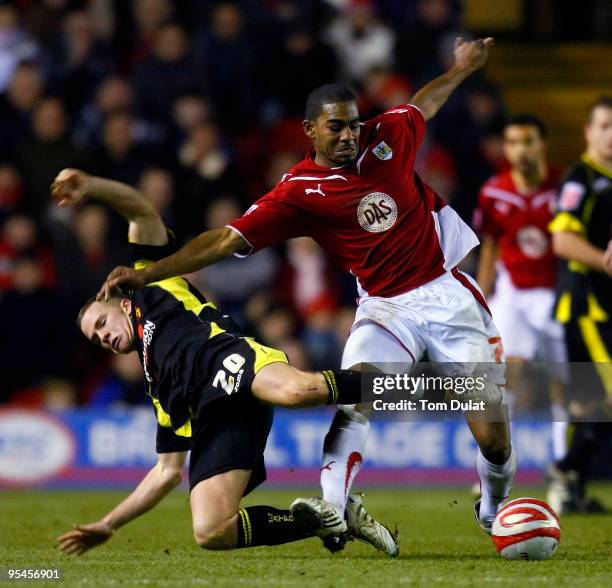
<point>526,528</point>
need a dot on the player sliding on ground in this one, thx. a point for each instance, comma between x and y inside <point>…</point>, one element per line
<point>358,196</point>
<point>211,388</point>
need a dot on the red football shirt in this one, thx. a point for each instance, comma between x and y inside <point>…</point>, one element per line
<point>519,222</point>
<point>375,217</point>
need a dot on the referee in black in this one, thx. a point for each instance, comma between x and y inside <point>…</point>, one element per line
<point>582,237</point>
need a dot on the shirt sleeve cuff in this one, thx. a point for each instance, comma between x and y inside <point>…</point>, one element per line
<point>419,110</point>
<point>243,252</point>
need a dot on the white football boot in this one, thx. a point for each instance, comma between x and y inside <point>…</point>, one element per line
<point>559,488</point>
<point>486,523</point>
<point>319,517</point>
<point>363,527</point>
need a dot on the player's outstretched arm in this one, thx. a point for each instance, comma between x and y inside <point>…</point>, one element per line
<point>158,483</point>
<point>570,245</point>
<point>469,57</point>
<point>485,276</point>
<point>201,251</point>
<point>146,227</point>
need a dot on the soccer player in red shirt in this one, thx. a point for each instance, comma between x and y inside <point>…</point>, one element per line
<point>356,193</point>
<point>518,262</point>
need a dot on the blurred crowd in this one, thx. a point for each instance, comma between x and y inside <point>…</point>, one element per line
<point>198,103</point>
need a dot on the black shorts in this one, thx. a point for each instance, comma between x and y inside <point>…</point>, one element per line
<point>226,367</point>
<point>589,344</point>
<point>231,427</point>
<point>230,436</point>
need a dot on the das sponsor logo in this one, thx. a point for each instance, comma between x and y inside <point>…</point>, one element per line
<point>377,212</point>
<point>34,447</point>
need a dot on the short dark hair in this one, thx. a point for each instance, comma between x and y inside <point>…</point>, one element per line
<point>88,303</point>
<point>527,120</point>
<point>602,101</point>
<point>326,94</point>
<point>83,310</point>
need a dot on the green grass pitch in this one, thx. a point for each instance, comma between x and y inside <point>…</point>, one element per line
<point>440,545</point>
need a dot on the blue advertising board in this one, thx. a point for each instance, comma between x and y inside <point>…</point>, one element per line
<point>86,448</point>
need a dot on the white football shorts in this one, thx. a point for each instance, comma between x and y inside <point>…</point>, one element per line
<point>448,318</point>
<point>525,320</point>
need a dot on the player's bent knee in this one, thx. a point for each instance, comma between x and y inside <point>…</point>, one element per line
<point>214,537</point>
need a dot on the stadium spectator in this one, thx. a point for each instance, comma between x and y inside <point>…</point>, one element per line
<point>77,61</point>
<point>157,184</point>
<point>59,394</point>
<point>166,74</point>
<point>307,283</point>
<point>113,94</point>
<point>120,156</point>
<point>436,165</point>
<point>36,321</point>
<point>232,282</point>
<point>48,149</point>
<point>149,16</point>
<point>188,112</point>
<point>208,173</point>
<point>225,59</point>
<point>361,41</point>
<point>15,44</point>
<point>21,238</point>
<point>476,116</point>
<point>16,106</point>
<point>11,190</point>
<point>122,386</point>
<point>97,250</point>
<point>421,46</point>
<point>304,63</point>
<point>382,89</point>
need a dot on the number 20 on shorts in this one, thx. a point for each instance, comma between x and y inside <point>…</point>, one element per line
<point>232,363</point>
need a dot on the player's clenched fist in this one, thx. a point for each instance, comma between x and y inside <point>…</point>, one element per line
<point>472,55</point>
<point>70,186</point>
<point>84,537</point>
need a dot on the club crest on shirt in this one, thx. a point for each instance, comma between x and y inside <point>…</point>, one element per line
<point>377,212</point>
<point>383,151</point>
<point>532,241</point>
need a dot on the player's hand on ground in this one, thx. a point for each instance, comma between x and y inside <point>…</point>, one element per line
<point>124,278</point>
<point>472,55</point>
<point>70,186</point>
<point>84,537</point>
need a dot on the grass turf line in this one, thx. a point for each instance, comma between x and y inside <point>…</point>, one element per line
<point>440,544</point>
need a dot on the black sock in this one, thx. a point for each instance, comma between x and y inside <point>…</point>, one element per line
<point>588,438</point>
<point>265,525</point>
<point>348,386</point>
